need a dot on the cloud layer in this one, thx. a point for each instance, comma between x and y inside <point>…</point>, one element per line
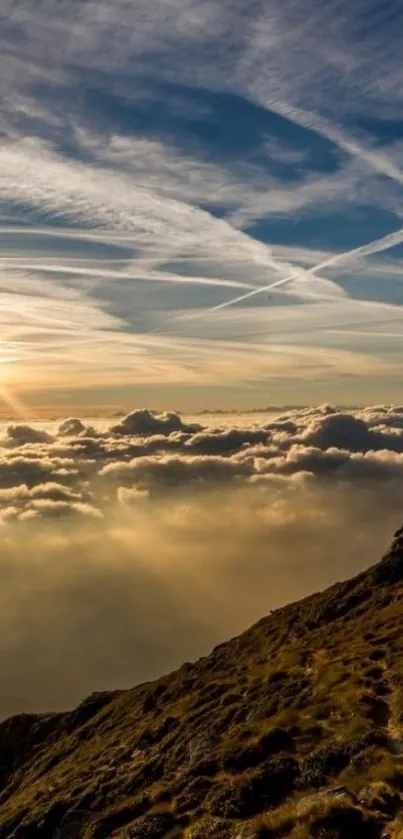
<point>128,550</point>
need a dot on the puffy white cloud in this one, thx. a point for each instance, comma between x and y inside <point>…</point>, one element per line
<point>31,469</point>
<point>225,441</point>
<point>143,423</point>
<point>48,507</point>
<point>158,453</point>
<point>343,431</point>
<point>19,435</point>
<point>71,427</point>
<point>177,470</point>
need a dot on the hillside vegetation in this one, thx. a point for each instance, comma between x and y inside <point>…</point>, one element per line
<point>294,729</point>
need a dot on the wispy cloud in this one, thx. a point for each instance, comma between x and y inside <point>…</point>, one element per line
<point>136,205</point>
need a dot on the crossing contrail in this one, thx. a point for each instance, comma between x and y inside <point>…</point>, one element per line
<point>376,246</point>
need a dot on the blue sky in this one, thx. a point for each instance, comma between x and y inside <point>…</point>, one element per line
<point>201,203</point>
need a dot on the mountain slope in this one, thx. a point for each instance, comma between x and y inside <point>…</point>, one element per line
<point>292,729</point>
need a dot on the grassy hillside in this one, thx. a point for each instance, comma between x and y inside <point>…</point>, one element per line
<point>294,729</point>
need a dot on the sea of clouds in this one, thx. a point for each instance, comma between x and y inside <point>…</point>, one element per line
<point>127,549</point>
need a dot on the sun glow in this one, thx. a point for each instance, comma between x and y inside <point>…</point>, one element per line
<point>12,402</point>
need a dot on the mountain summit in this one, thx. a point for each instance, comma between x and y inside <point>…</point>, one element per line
<point>293,729</point>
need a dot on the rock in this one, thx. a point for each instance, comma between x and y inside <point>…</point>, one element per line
<point>152,826</point>
<point>381,798</point>
<point>343,791</point>
<point>276,740</point>
<point>211,828</point>
<point>343,822</point>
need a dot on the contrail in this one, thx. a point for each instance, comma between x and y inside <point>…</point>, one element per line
<point>376,246</point>
<point>374,159</point>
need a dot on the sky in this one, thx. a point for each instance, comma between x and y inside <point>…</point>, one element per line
<point>201,204</point>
